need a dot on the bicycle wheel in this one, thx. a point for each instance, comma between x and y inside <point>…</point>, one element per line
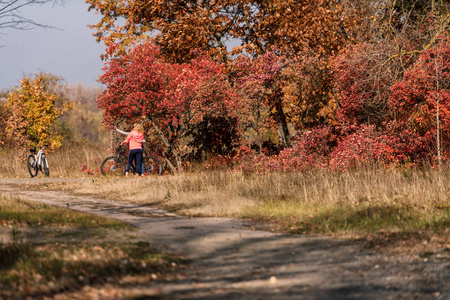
<point>113,167</point>
<point>45,166</point>
<point>31,164</point>
<point>152,166</point>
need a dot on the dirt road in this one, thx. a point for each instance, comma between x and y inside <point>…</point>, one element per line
<point>229,260</point>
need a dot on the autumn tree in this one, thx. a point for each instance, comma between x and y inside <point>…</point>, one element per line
<point>398,32</point>
<point>180,26</point>
<point>260,80</point>
<point>363,75</point>
<point>174,98</point>
<point>321,27</point>
<point>34,109</point>
<point>324,27</point>
<point>405,28</point>
<point>309,34</point>
<point>308,93</point>
<point>394,20</point>
<point>177,27</point>
<point>4,113</point>
<point>420,103</point>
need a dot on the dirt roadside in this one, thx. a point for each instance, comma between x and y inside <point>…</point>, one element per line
<point>231,261</point>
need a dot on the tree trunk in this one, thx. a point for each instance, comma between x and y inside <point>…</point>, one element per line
<point>169,146</point>
<point>204,140</point>
<point>284,125</point>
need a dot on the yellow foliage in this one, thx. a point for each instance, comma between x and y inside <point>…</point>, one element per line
<point>35,108</point>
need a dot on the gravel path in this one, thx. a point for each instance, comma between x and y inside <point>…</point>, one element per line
<point>231,261</point>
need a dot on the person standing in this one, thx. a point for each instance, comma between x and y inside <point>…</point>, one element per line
<point>135,139</point>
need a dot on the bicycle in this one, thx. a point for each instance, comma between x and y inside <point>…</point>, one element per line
<point>38,162</point>
<point>116,165</point>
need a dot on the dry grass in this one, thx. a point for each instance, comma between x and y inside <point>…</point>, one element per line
<point>16,212</point>
<point>59,270</point>
<point>200,194</point>
<point>60,256</point>
<point>399,210</point>
<point>227,192</point>
<point>64,162</point>
<point>319,201</point>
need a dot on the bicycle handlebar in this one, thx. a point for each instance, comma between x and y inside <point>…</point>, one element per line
<point>41,147</point>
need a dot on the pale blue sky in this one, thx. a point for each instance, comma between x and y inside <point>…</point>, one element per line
<point>71,52</point>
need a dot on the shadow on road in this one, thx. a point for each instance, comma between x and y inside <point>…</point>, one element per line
<point>231,261</point>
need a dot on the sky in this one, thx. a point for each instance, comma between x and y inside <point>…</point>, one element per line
<point>70,52</point>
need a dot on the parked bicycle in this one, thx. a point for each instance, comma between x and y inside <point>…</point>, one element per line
<point>116,165</point>
<point>38,161</point>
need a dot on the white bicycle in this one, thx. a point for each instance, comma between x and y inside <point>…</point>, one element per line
<point>38,162</point>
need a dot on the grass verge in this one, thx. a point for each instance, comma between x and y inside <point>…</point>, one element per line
<point>401,205</point>
<point>386,227</point>
<point>36,271</point>
<point>69,263</point>
<point>18,212</point>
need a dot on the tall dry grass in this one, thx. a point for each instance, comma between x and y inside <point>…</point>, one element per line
<point>366,199</point>
<point>231,192</point>
<point>64,162</point>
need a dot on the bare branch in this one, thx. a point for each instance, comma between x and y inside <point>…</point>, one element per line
<point>11,16</point>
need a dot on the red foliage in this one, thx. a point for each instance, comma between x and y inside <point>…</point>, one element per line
<point>135,84</point>
<point>380,121</point>
<point>414,100</point>
<point>174,97</point>
<point>404,111</point>
<point>92,167</point>
<point>308,151</point>
<point>261,82</point>
<point>365,147</point>
<point>364,91</point>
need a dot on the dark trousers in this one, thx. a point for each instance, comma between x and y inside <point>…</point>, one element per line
<point>136,155</point>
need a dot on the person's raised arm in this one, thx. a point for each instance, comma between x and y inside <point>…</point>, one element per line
<point>122,132</point>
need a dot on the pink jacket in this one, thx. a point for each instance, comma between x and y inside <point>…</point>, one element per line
<point>134,139</point>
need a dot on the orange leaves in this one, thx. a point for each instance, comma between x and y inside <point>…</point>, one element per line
<point>178,27</point>
<point>296,26</point>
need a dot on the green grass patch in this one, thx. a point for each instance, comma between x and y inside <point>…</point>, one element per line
<point>19,212</point>
<point>47,269</point>
<point>44,269</point>
<point>297,217</point>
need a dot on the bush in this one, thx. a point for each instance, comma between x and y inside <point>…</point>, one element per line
<point>365,147</point>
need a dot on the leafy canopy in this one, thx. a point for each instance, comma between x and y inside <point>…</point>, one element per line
<point>34,109</point>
